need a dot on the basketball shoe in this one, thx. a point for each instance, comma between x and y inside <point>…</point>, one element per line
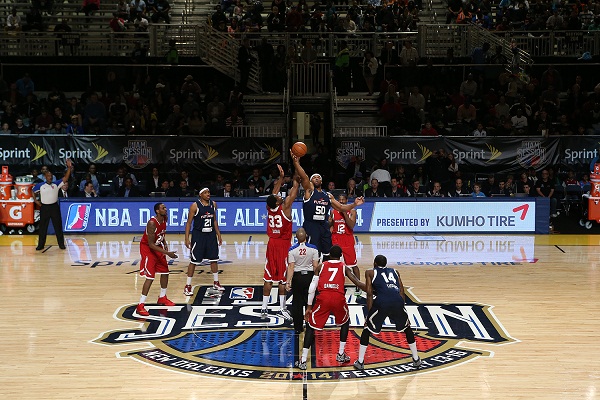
<point>163,301</point>
<point>141,310</point>
<point>217,285</point>
<point>188,291</point>
<point>342,358</point>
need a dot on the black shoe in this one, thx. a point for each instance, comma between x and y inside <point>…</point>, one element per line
<point>62,247</point>
<point>39,248</point>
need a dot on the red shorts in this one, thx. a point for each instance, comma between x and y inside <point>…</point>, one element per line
<point>152,263</point>
<point>346,242</point>
<point>276,262</point>
<point>329,302</point>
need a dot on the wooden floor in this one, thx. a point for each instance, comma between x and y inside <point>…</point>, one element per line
<point>545,293</point>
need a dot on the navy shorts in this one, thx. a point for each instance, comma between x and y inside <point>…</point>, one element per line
<point>379,312</point>
<point>318,235</point>
<point>204,247</point>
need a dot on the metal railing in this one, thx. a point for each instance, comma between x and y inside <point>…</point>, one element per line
<point>258,131</point>
<point>309,79</point>
<point>360,131</point>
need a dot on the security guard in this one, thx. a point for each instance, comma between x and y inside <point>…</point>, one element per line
<point>49,208</point>
<point>303,258</point>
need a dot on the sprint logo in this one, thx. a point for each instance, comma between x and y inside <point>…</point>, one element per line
<point>101,152</point>
<point>39,151</point>
<point>273,153</point>
<point>425,153</point>
<point>495,152</point>
<point>212,153</point>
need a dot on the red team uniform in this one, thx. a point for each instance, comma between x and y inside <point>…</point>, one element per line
<point>331,298</point>
<point>343,236</point>
<point>279,230</point>
<point>154,262</point>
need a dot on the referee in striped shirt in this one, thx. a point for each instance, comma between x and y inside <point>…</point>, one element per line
<point>303,258</point>
<point>49,208</point>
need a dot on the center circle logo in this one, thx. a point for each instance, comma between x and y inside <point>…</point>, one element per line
<point>225,337</point>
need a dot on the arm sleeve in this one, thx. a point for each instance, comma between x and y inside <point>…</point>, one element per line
<point>312,289</point>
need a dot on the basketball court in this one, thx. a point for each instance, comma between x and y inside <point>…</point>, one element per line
<point>495,317</point>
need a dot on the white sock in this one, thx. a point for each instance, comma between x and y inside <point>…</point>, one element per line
<point>142,299</point>
<point>163,292</point>
<point>282,301</point>
<point>216,276</point>
<point>413,350</point>
<point>361,353</point>
<point>188,281</point>
<point>342,347</point>
<point>304,354</point>
<point>265,302</point>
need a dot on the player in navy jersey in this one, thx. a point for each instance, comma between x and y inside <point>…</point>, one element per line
<point>205,239</point>
<point>385,298</point>
<point>279,230</point>
<point>316,208</point>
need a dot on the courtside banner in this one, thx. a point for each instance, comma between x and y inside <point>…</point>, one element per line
<point>518,215</point>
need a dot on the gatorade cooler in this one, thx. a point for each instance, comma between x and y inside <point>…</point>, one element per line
<point>5,184</point>
<point>24,187</point>
<point>594,199</point>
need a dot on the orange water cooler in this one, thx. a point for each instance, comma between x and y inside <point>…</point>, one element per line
<point>594,199</point>
<point>17,206</point>
<point>6,184</point>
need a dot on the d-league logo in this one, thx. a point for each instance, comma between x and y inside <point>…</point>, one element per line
<point>227,338</point>
<point>77,217</point>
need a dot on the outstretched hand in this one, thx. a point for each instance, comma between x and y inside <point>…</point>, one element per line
<point>295,158</point>
<point>359,201</point>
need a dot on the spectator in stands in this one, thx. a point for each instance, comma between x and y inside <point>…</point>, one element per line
<point>226,191</point>
<point>128,189</point>
<point>373,190</point>
<point>391,112</point>
<point>477,191</point>
<point>257,178</point>
<point>117,110</point>
<point>415,189</point>
<point>215,112</point>
<point>137,7</point>
<point>479,131</point>
<point>117,25</point>
<point>172,56</point>
<point>88,190</point>
<point>94,116</point>
<point>122,10</point>
<point>44,122</point>
<point>370,66</point>
<point>468,88</point>
<point>454,9</point>
<point>175,121</point>
<point>519,122</point>
<point>190,87</point>
<point>233,120</point>
<point>74,128</point>
<point>13,21</point>
<point>245,61</point>
<point>396,188</point>
<point>30,109</point>
<point>132,121</point>
<point>119,180</point>
<point>408,54</point>
<point>25,87</point>
<point>416,105</point>
<point>140,25</point>
<point>436,190</point>
<point>389,56</point>
<point>490,185</point>
<point>502,109</point>
<point>459,189</point>
<point>35,21</point>
<point>20,128</point>
<point>342,69</point>
<point>545,188</point>
<point>466,113</point>
<point>190,105</point>
<point>155,182</point>
<point>195,123</point>
<point>352,189</point>
<point>5,130</point>
<point>428,130</point>
<point>160,11</point>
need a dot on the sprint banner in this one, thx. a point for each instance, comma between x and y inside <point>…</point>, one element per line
<point>473,154</point>
<point>218,154</point>
<point>456,215</point>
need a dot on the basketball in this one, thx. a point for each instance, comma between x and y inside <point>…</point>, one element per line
<point>299,149</point>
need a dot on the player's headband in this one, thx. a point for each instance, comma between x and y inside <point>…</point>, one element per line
<point>204,190</point>
<point>313,175</point>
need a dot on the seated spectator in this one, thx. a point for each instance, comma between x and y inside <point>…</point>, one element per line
<point>195,123</point>
<point>480,130</point>
<point>226,191</point>
<point>5,130</point>
<point>519,122</point>
<point>396,189</point>
<point>477,191</point>
<point>13,21</point>
<point>352,189</point>
<point>61,118</point>
<point>94,116</point>
<point>117,110</point>
<point>374,190</point>
<point>436,190</point>
<point>175,121</point>
<point>469,87</point>
<point>161,11</point>
<point>215,111</point>
<point>119,180</point>
<point>88,190</point>
<point>415,190</point>
<point>122,10</point>
<point>128,189</point>
<point>20,128</point>
<point>74,128</point>
<point>233,120</point>
<point>181,190</point>
<point>44,122</point>
<point>117,24</point>
<point>137,7</point>
<point>466,112</point>
<point>190,87</point>
<point>459,190</point>
<point>141,25</point>
<point>274,21</point>
<point>89,7</point>
<point>429,130</point>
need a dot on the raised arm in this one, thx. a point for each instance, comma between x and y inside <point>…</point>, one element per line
<point>306,183</point>
<point>291,196</point>
<point>68,173</point>
<point>279,181</point>
<point>345,207</point>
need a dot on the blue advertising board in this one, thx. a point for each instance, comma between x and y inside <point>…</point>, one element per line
<point>510,215</point>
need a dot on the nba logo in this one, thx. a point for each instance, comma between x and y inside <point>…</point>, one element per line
<point>242,293</point>
<point>79,249</point>
<point>77,217</point>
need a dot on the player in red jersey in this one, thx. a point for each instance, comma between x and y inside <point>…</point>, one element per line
<point>279,230</point>
<point>153,249</point>
<point>329,280</point>
<point>342,234</point>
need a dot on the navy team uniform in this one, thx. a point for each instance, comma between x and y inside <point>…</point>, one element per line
<point>204,237</point>
<point>316,220</point>
<point>388,302</point>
